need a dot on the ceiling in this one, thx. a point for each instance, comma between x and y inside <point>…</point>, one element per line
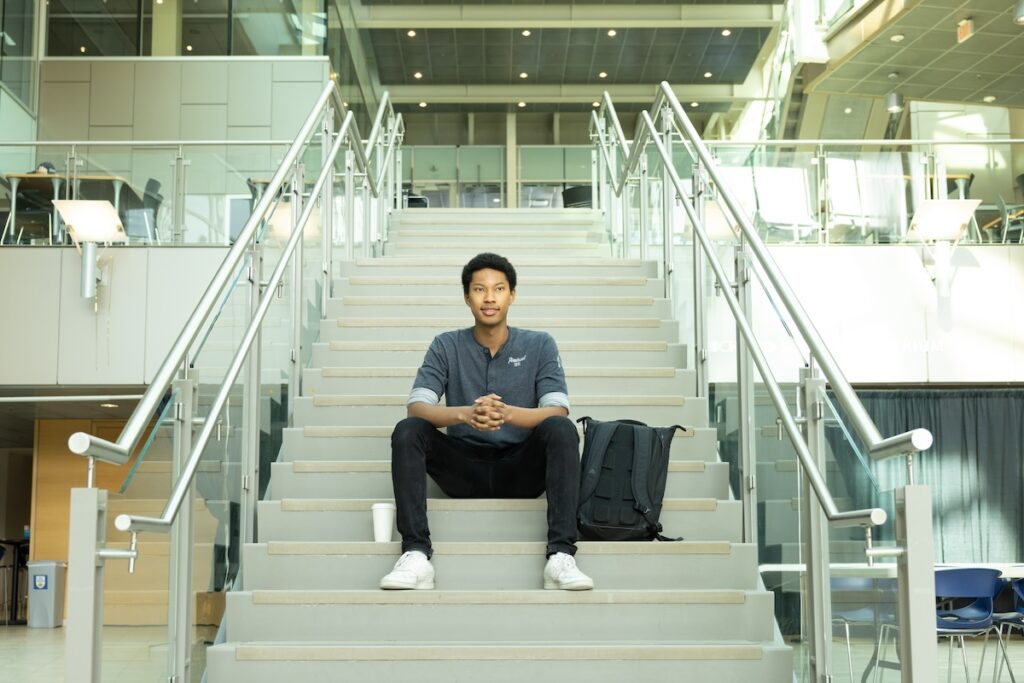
<point>559,56</point>
<point>17,420</point>
<point>928,63</point>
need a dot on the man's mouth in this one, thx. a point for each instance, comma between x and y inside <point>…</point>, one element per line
<point>489,311</point>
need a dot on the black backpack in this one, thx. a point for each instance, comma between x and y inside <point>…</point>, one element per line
<point>622,480</point>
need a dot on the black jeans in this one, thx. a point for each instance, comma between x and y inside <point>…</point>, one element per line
<point>548,460</point>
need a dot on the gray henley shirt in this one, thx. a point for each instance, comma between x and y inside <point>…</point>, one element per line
<point>526,372</point>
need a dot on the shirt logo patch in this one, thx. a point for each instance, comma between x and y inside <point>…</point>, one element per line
<point>516,362</point>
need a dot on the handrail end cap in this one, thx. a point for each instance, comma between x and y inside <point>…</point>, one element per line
<point>878,516</point>
<point>78,443</point>
<point>921,439</point>
<point>123,523</point>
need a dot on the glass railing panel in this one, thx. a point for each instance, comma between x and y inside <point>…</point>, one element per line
<point>156,451</point>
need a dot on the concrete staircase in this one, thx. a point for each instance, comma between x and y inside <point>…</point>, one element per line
<point>310,609</point>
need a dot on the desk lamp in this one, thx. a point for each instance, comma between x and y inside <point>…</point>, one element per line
<point>90,222</point>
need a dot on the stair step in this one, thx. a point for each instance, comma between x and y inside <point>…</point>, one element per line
<point>526,266</point>
<point>439,285</point>
<point>562,329</point>
<point>412,307</point>
<point>374,443</point>
<point>505,617</point>
<point>574,353</point>
<point>312,519</point>
<point>372,479</point>
<point>503,566</point>
<point>418,235</point>
<point>581,380</point>
<point>349,410</point>
<point>611,662</point>
<point>538,219</point>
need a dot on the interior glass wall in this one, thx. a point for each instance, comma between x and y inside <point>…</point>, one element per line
<point>17,35</point>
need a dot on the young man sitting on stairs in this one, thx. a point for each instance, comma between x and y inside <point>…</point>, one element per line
<point>508,434</point>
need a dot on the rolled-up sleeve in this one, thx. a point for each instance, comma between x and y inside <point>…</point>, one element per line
<point>431,378</point>
<point>551,387</point>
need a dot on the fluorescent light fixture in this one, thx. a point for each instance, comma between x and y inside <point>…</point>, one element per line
<point>894,103</point>
<point>110,405</point>
<point>90,222</point>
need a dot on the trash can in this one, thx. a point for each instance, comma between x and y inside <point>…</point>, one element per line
<point>46,593</point>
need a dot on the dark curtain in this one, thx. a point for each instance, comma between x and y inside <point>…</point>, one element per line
<point>974,468</point>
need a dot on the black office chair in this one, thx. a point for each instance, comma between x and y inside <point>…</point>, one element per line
<point>577,197</point>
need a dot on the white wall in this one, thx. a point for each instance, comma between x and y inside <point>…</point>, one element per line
<point>16,124</point>
<point>879,312</point>
<point>54,336</point>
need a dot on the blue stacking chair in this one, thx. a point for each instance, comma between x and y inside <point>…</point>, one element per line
<point>956,620</point>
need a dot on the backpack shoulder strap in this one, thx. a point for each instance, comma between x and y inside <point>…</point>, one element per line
<point>596,439</point>
<point>643,448</point>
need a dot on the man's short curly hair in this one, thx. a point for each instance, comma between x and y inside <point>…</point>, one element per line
<point>492,261</point>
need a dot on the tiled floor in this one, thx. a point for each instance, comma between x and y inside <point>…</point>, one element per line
<point>131,654</point>
<point>138,654</point>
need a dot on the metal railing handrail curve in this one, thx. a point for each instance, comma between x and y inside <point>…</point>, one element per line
<point>137,523</point>
<point>118,452</point>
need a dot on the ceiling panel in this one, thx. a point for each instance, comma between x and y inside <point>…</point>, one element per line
<point>573,56</point>
<point>930,64</point>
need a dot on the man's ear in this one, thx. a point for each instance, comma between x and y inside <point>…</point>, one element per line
<point>512,296</point>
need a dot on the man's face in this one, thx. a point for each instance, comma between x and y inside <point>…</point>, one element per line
<point>489,297</point>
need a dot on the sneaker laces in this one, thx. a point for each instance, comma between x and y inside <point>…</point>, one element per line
<point>405,559</point>
<point>564,561</point>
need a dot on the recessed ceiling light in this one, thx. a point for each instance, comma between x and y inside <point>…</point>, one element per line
<point>109,405</point>
<point>496,200</point>
<point>524,75</point>
<point>848,110</point>
<point>893,75</point>
<point>595,104</point>
<point>726,32</point>
<point>897,37</point>
<point>422,105</point>
<point>522,104</point>
<point>418,74</point>
<point>707,74</point>
<point>603,74</point>
<point>188,48</point>
<point>82,49</point>
<point>611,33</point>
<point>988,98</point>
<point>526,32</point>
<point>411,33</point>
<point>159,2</point>
<point>694,104</point>
<point>345,104</point>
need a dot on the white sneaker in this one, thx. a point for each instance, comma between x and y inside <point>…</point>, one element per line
<point>562,573</point>
<point>413,571</point>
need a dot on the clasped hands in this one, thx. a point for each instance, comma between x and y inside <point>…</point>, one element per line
<point>488,413</point>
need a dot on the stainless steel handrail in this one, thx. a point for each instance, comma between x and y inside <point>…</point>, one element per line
<point>868,516</point>
<point>909,442</point>
<point>119,451</point>
<point>138,523</point>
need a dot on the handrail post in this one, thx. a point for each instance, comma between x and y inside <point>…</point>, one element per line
<point>297,303</point>
<point>350,203</point>
<point>178,213</point>
<point>83,644</point>
<point>645,214</point>
<point>251,394</point>
<point>379,202</point>
<point>668,204</point>
<point>814,530</point>
<point>367,212</point>
<point>745,400</point>
<point>327,214</point>
<point>700,331</point>
<point>916,584</point>
<point>180,605</point>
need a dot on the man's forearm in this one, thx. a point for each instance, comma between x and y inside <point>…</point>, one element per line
<point>528,418</point>
<point>439,416</point>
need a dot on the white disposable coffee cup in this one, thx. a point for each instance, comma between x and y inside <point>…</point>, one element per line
<point>383,522</point>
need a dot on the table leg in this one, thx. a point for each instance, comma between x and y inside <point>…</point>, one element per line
<point>14,207</point>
